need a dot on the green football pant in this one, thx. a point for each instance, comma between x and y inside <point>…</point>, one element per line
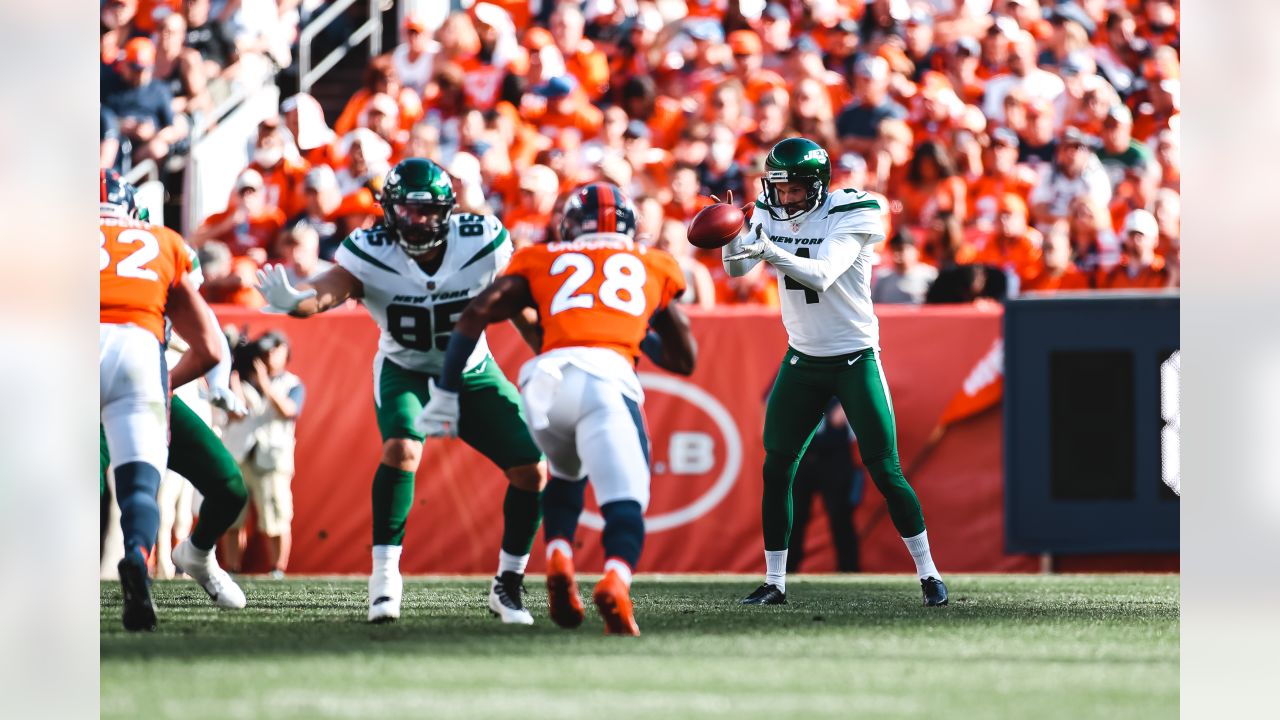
<point>491,421</point>
<point>198,455</point>
<point>800,394</point>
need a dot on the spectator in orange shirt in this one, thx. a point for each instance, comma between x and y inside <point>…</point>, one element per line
<point>936,110</point>
<point>1056,271</point>
<point>1001,174</point>
<point>962,66</point>
<point>685,200</point>
<point>748,65</point>
<point>249,225</point>
<point>228,280</point>
<point>528,220</point>
<point>581,58</point>
<point>1140,266</point>
<point>380,77</point>
<point>931,186</point>
<point>382,116</point>
<point>562,108</point>
<point>1013,247</point>
<point>276,160</point>
<point>1159,110</point>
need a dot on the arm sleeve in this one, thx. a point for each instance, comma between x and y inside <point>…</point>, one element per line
<point>833,259</point>
<point>220,375</point>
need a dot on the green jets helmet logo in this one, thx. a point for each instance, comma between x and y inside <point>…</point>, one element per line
<point>816,154</point>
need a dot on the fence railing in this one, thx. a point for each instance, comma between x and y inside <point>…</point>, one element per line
<point>371,29</point>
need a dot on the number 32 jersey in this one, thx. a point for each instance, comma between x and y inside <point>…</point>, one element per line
<point>598,290</point>
<point>417,311</point>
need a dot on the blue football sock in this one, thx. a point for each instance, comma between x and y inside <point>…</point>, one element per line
<point>562,504</point>
<point>623,530</point>
<point>136,487</point>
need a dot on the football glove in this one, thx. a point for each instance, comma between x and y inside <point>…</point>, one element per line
<point>224,399</point>
<point>759,248</point>
<point>274,285</point>
<point>439,417</point>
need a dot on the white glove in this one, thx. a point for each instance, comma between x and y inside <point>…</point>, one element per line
<point>750,250</point>
<point>274,285</point>
<point>439,418</point>
<point>225,399</point>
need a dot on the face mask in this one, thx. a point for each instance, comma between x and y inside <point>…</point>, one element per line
<point>722,153</point>
<point>268,156</point>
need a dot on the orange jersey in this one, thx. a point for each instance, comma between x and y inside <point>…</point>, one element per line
<point>137,265</point>
<point>1155,275</point>
<point>599,292</point>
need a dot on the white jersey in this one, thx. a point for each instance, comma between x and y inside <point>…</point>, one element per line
<point>842,230</point>
<point>416,311</point>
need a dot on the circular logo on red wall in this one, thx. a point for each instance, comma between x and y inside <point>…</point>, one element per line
<point>695,453</point>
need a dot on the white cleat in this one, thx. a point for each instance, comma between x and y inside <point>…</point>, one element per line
<point>506,599</point>
<point>204,569</point>
<point>385,590</point>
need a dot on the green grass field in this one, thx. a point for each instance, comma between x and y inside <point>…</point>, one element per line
<point>845,647</point>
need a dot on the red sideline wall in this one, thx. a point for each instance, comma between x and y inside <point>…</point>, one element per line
<point>704,516</point>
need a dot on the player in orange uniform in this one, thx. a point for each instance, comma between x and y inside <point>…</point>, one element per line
<point>597,292</point>
<point>141,273</point>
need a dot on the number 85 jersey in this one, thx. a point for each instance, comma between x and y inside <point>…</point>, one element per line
<point>416,311</point>
<point>598,290</point>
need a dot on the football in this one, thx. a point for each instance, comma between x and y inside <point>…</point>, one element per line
<point>715,225</point>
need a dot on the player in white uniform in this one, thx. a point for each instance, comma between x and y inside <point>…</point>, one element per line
<point>821,243</point>
<point>415,272</point>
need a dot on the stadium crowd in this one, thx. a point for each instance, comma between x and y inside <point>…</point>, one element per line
<point>1015,144</point>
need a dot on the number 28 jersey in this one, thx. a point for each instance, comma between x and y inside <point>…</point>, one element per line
<point>416,311</point>
<point>598,290</point>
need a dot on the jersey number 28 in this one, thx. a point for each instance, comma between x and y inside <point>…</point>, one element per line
<point>622,288</point>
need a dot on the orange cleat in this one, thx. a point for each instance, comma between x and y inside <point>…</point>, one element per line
<point>613,600</point>
<point>563,602</point>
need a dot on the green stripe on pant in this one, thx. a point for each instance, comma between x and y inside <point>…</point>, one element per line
<point>795,406</point>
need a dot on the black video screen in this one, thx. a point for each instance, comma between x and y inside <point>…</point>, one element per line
<point>1091,425</point>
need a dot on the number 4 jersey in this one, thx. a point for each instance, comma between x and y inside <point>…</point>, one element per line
<point>415,310</point>
<point>597,291</point>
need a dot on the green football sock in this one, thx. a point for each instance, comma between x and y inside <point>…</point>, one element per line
<point>521,515</point>
<point>197,454</point>
<point>392,498</point>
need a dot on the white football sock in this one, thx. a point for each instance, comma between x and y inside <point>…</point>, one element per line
<point>918,546</point>
<point>386,559</point>
<point>775,568</point>
<point>512,563</point>
<point>623,570</point>
<point>559,544</point>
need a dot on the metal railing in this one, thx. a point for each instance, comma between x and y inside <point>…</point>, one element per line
<point>371,29</point>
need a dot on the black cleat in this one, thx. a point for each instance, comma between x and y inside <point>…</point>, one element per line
<point>139,613</point>
<point>766,595</point>
<point>935,592</point>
